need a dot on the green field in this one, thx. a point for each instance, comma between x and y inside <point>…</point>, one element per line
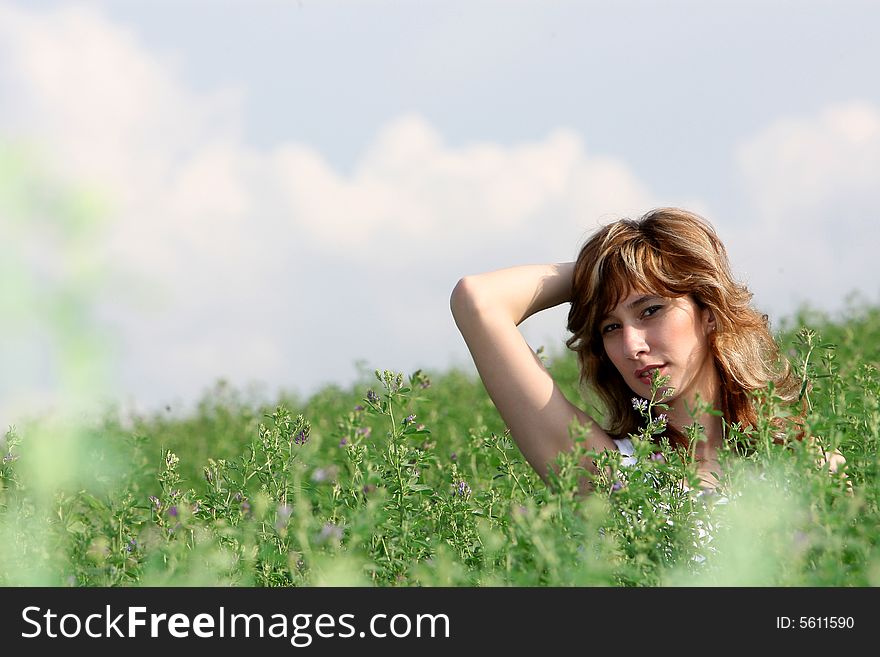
<point>410,480</point>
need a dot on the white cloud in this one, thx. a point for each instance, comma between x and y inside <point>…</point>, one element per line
<point>265,265</point>
<point>814,184</point>
<point>416,197</point>
<point>103,105</point>
<point>801,164</point>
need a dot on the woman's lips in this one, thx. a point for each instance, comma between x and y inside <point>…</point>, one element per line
<point>645,374</point>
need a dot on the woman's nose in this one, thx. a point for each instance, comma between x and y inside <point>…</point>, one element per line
<point>633,342</point>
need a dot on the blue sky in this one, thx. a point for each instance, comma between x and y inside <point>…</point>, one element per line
<point>292,187</point>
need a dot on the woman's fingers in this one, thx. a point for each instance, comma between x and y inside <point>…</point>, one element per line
<point>835,463</point>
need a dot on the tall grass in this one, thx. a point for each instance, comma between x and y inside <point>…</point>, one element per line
<point>414,480</point>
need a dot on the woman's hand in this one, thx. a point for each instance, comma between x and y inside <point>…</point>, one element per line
<point>835,462</point>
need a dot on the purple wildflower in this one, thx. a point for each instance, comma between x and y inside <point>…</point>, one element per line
<point>343,442</point>
<point>9,458</point>
<point>409,419</point>
<point>172,511</point>
<point>372,397</point>
<point>658,457</point>
<point>156,502</point>
<point>363,431</point>
<point>303,436</point>
<point>453,456</point>
<point>132,545</point>
<point>283,512</point>
<point>330,532</point>
<point>325,474</point>
<point>616,486</point>
<point>358,408</point>
<point>639,404</point>
<point>368,488</point>
<point>462,489</point>
<point>246,507</point>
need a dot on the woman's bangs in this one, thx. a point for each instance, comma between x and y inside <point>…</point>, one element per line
<point>622,276</point>
<point>613,286</point>
<point>627,270</point>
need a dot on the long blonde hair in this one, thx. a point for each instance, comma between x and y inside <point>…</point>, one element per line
<point>672,252</point>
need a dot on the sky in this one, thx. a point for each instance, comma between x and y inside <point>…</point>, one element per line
<point>283,194</point>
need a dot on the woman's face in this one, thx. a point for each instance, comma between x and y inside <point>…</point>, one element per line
<point>645,332</point>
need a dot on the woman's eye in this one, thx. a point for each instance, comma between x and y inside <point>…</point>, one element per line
<point>650,310</point>
<point>608,328</point>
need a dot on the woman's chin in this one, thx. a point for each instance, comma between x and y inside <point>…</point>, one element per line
<point>665,394</point>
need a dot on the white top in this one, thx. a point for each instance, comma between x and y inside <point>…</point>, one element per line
<point>625,446</point>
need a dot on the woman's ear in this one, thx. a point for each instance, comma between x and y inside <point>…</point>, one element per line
<point>709,320</point>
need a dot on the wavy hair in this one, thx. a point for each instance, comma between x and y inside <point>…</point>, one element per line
<point>673,253</point>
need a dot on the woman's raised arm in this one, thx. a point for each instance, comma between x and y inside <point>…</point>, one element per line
<point>487,309</point>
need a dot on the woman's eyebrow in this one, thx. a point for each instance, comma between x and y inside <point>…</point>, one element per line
<point>642,299</point>
<point>631,305</point>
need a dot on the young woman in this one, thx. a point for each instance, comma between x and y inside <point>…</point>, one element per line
<point>645,294</point>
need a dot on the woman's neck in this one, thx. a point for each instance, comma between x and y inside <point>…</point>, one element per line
<point>700,396</point>
<point>694,407</point>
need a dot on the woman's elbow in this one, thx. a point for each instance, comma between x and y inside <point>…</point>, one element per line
<point>471,303</point>
<point>462,296</point>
